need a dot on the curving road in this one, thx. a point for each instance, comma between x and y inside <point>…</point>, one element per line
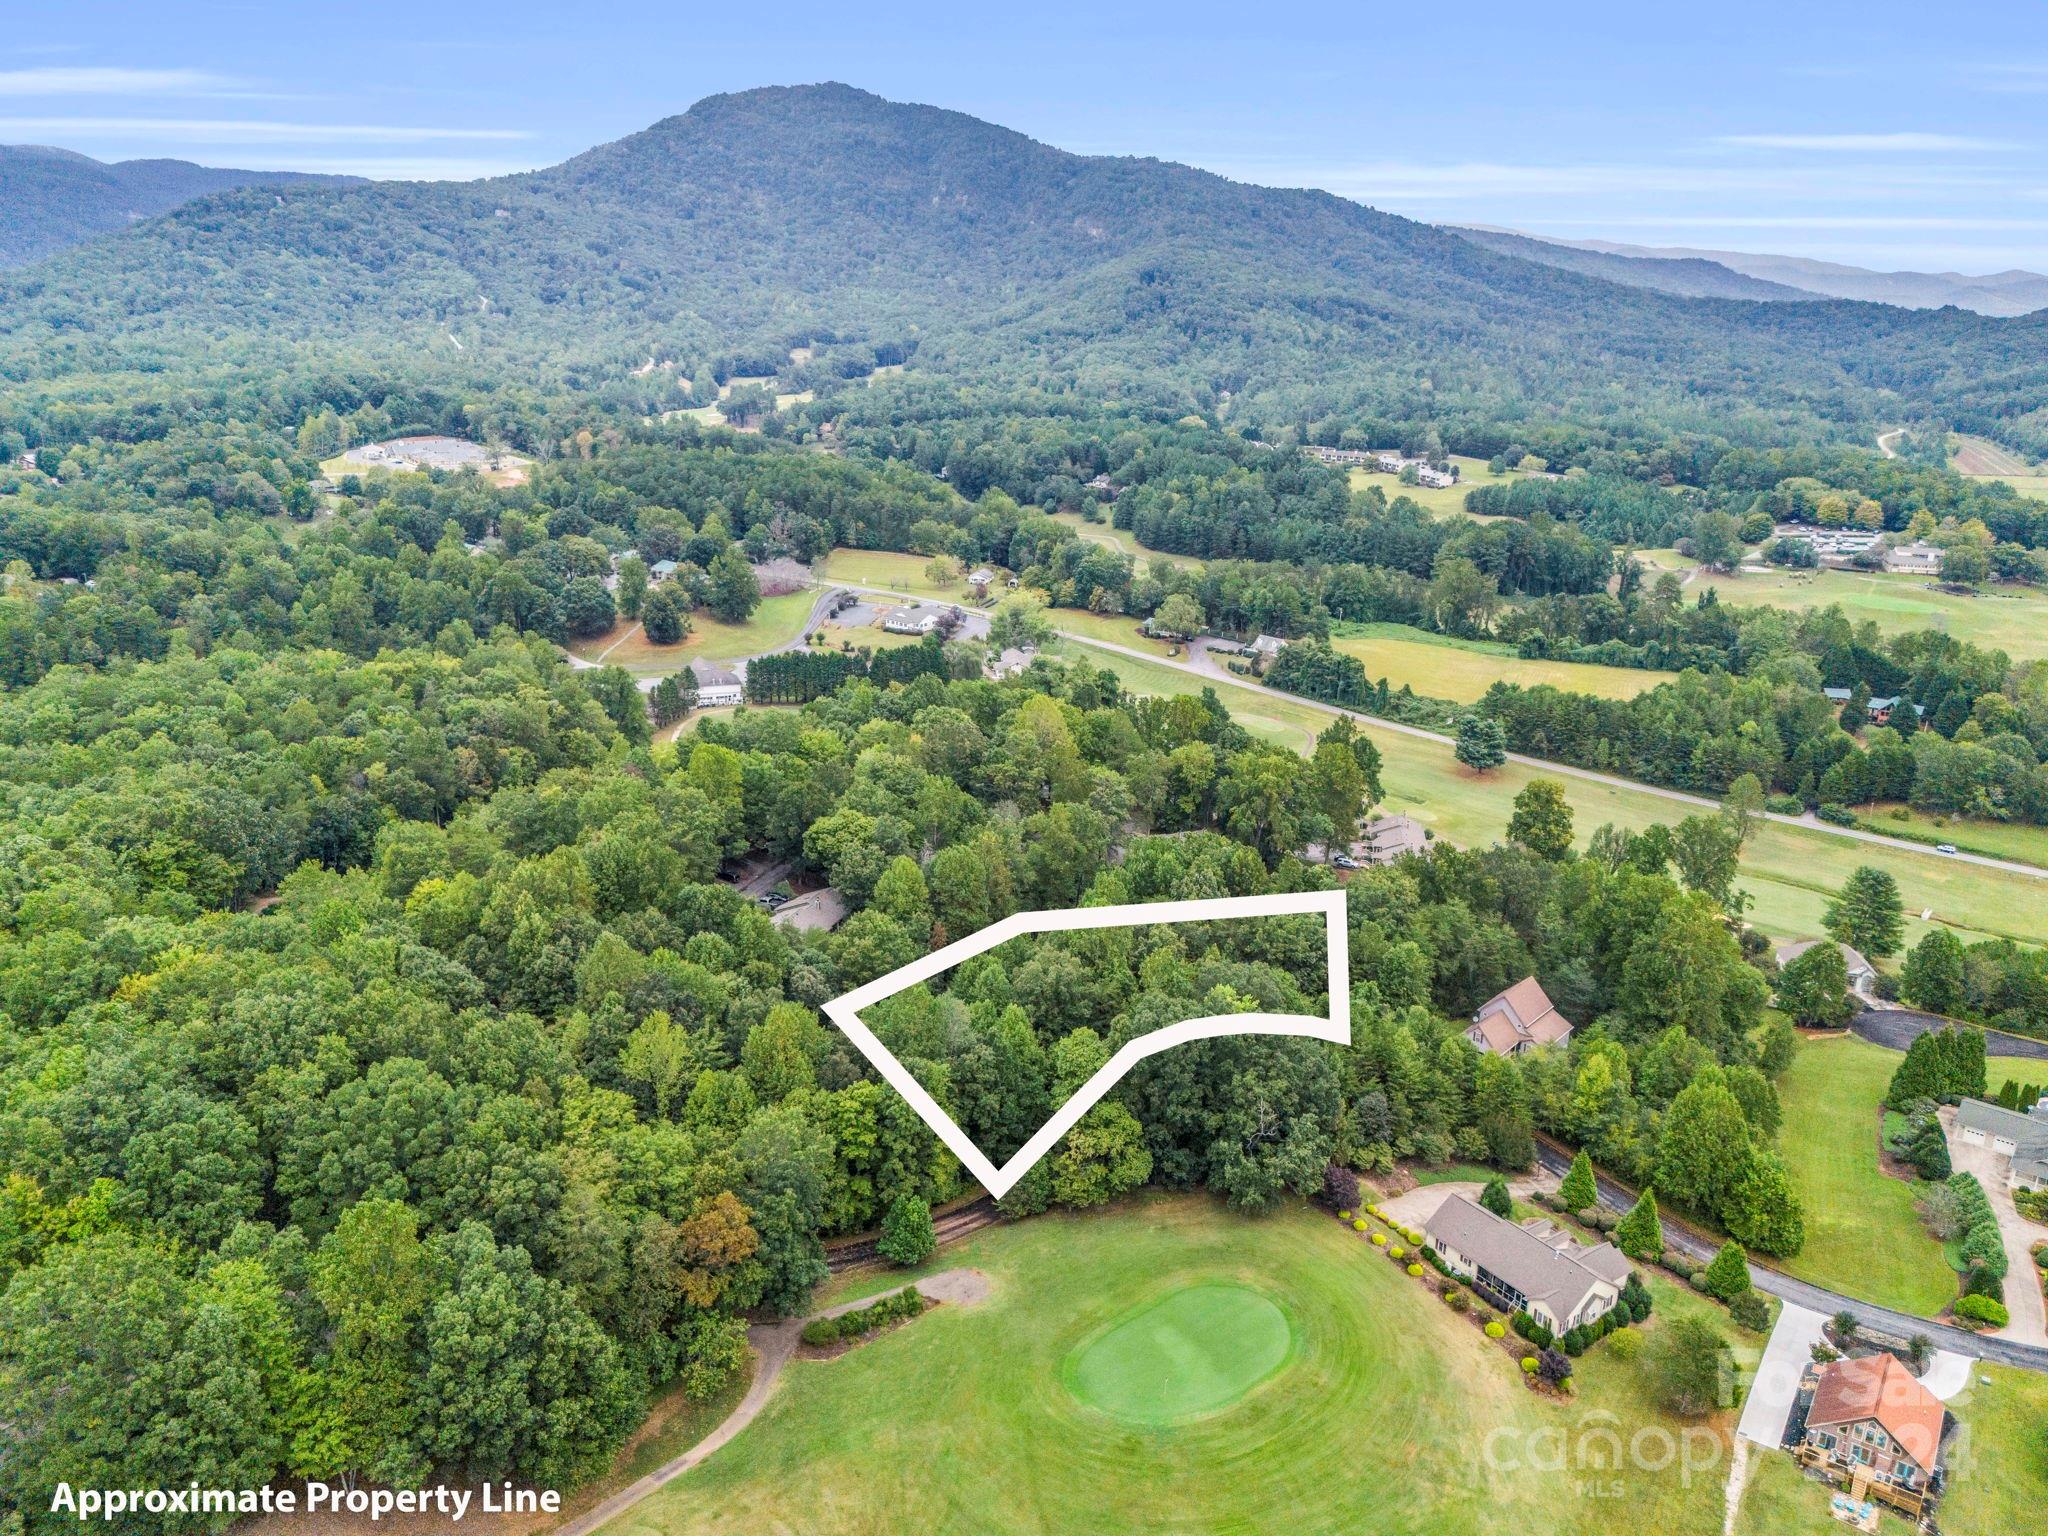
<point>1209,670</point>
<point>1616,1196</point>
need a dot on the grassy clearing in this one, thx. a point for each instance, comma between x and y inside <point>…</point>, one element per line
<point>2012,619</point>
<point>886,569</point>
<point>1123,541</point>
<point>774,624</point>
<point>1115,629</point>
<point>1982,459</point>
<point>1447,668</point>
<point>1862,1236</point>
<point>1391,1413</point>
<point>1449,502</point>
<point>1996,839</point>
<point>1792,872</point>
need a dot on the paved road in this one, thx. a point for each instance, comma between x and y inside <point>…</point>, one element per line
<point>1208,670</point>
<point>1618,1197</point>
<point>1898,1028</point>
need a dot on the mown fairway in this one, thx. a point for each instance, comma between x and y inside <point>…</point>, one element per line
<point>1862,1235</point>
<point>1462,670</point>
<point>1391,1414</point>
<point>1792,872</point>
<point>2010,619</point>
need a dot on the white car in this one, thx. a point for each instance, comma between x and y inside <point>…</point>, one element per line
<point>1944,847</point>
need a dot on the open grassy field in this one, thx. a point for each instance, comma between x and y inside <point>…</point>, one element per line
<point>1999,839</point>
<point>2013,619</point>
<point>1376,1409</point>
<point>1446,668</point>
<point>1449,502</point>
<point>1792,872</point>
<point>1982,459</point>
<point>891,571</point>
<point>1122,541</point>
<point>1117,629</point>
<point>1862,1236</point>
<point>775,623</point>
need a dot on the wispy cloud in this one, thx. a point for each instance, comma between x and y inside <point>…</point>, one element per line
<point>2016,78</point>
<point>1861,143</point>
<point>1420,181</point>
<point>251,131</point>
<point>102,81</point>
<point>389,167</point>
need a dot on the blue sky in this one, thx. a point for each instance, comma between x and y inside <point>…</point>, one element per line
<point>1878,133</point>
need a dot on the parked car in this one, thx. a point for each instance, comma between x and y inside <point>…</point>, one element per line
<point>1944,847</point>
<point>1345,861</point>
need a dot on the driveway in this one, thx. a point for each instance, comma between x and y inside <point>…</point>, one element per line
<point>1420,1203</point>
<point>1898,1028</point>
<point>2023,1301</point>
<point>1776,1385</point>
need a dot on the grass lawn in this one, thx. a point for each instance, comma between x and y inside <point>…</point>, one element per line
<point>1862,1236</point>
<point>1447,668</point>
<point>1448,502</point>
<point>888,570</point>
<point>1123,541</point>
<point>1999,839</point>
<point>1382,1411</point>
<point>2012,619</point>
<point>1792,872</point>
<point>1982,459</point>
<point>776,622</point>
<point>1117,629</point>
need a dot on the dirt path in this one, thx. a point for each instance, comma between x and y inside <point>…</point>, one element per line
<point>773,1344</point>
<point>1884,441</point>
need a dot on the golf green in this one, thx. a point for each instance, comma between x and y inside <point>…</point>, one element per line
<point>1186,1354</point>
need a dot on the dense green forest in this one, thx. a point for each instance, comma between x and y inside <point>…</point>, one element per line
<point>714,243</point>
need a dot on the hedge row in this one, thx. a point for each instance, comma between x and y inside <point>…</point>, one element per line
<point>896,1308</point>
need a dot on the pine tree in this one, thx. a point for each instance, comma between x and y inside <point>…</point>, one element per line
<point>1640,1234</point>
<point>1866,914</point>
<point>1728,1276</point>
<point>1495,1198</point>
<point>907,1236</point>
<point>1481,744</point>
<point>1579,1192</point>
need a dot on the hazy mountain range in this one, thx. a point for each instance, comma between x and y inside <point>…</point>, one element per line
<point>53,198</point>
<point>1748,275</point>
<point>829,217</point>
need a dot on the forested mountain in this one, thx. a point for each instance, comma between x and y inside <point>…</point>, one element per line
<point>822,215</point>
<point>1688,276</point>
<point>53,198</point>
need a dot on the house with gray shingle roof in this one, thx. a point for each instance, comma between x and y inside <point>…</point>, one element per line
<point>1533,1266</point>
<point>2020,1138</point>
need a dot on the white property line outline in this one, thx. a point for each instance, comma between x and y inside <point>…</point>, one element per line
<point>1336,1027</point>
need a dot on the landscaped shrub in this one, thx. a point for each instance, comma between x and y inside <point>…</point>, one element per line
<point>1413,1234</point>
<point>1751,1311</point>
<point>1626,1344</point>
<point>1529,1364</point>
<point>1554,1366</point>
<point>1531,1330</point>
<point>1575,1341</point>
<point>1636,1297</point>
<point>1728,1276</point>
<point>1457,1301</point>
<point>1379,1239</point>
<point>1416,1271</point>
<point>1496,1329</point>
<point>824,1330</point>
<point>1340,1187</point>
<point>1343,1215</point>
<point>1359,1226</point>
<point>1982,1309</point>
<point>1699,1281</point>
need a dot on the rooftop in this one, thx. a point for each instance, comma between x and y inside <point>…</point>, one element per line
<point>1522,1015</point>
<point>1537,1258</point>
<point>1879,1387</point>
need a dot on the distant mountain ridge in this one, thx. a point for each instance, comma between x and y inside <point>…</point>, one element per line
<point>2008,293</point>
<point>1688,277</point>
<point>824,216</point>
<point>53,198</point>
